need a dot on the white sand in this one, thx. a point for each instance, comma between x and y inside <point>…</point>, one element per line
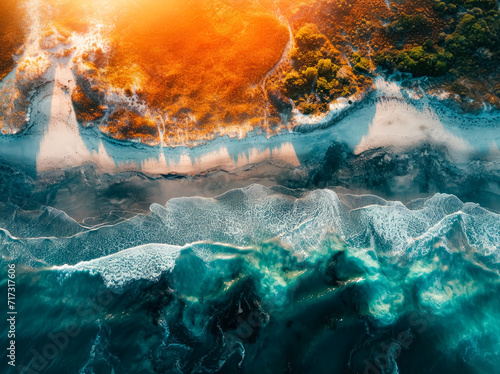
<point>399,124</point>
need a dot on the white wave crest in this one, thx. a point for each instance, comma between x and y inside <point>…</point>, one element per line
<point>144,262</point>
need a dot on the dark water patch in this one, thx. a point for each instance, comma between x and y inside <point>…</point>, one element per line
<point>423,171</point>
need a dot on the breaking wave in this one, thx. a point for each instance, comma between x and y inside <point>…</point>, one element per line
<point>256,213</point>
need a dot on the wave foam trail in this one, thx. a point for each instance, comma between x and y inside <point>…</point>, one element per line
<point>255,214</point>
<point>145,262</point>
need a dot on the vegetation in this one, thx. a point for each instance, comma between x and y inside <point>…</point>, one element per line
<point>338,46</point>
<point>87,108</point>
<point>420,60</point>
<point>126,124</point>
<point>475,30</point>
<point>408,23</point>
<point>468,47</point>
<point>318,74</point>
<point>473,39</point>
<point>12,34</point>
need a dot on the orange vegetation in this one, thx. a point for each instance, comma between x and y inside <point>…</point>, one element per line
<point>87,108</point>
<point>197,64</point>
<point>124,124</point>
<point>11,33</point>
<point>362,23</point>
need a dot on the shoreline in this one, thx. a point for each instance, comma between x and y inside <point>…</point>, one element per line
<point>54,140</point>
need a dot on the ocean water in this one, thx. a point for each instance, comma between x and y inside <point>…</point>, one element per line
<point>261,280</point>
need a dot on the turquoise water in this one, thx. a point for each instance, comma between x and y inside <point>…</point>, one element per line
<point>260,281</point>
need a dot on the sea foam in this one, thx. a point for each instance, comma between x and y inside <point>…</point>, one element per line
<point>145,262</point>
<point>255,214</point>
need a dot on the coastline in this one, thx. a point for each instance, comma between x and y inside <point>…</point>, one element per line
<point>58,141</point>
